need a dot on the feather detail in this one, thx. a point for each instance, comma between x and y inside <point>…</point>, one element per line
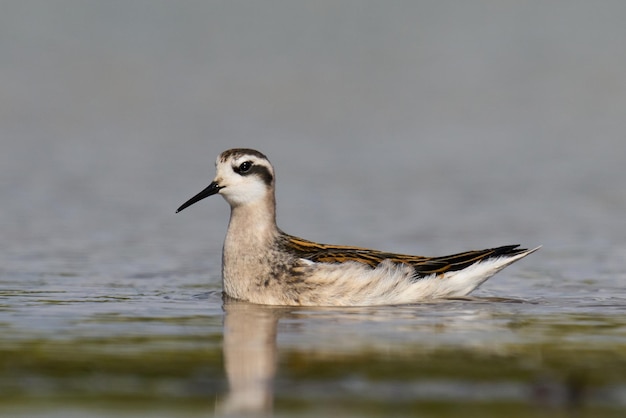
<point>423,266</point>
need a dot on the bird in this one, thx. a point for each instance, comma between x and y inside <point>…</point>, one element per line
<point>261,264</point>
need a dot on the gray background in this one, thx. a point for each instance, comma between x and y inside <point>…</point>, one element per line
<point>414,126</point>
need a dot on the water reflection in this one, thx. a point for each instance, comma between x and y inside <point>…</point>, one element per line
<point>472,351</point>
<point>250,333</point>
<point>249,357</point>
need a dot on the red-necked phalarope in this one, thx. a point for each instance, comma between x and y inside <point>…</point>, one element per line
<point>262,264</point>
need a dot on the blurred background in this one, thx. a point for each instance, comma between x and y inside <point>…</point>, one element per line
<point>405,123</point>
<point>382,119</point>
<point>413,126</point>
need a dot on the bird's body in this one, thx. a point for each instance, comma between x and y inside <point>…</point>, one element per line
<point>262,264</point>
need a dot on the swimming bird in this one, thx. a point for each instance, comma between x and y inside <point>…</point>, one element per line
<point>264,265</point>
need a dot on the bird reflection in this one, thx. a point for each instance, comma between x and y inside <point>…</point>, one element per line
<point>249,357</point>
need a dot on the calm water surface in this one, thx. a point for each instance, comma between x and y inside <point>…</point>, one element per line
<point>422,128</point>
<point>161,348</point>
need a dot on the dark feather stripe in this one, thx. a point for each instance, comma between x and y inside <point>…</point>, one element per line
<point>238,152</point>
<point>261,171</point>
<point>423,266</point>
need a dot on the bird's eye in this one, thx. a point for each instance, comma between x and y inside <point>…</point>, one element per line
<point>244,167</point>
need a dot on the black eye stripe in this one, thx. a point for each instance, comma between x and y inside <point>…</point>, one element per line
<point>263,172</point>
<point>248,168</point>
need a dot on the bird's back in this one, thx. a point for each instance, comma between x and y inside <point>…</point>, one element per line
<point>423,266</point>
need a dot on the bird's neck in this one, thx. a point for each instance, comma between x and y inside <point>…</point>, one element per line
<point>252,226</point>
<point>249,243</point>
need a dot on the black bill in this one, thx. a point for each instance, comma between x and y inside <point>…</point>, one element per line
<point>209,191</point>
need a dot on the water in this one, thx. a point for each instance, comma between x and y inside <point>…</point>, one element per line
<point>418,128</point>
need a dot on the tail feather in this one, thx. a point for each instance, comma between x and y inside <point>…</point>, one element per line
<point>460,261</point>
<point>455,281</point>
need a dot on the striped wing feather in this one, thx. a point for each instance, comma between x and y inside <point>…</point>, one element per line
<point>323,253</point>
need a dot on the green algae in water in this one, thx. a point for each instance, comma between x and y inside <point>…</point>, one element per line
<point>546,363</point>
